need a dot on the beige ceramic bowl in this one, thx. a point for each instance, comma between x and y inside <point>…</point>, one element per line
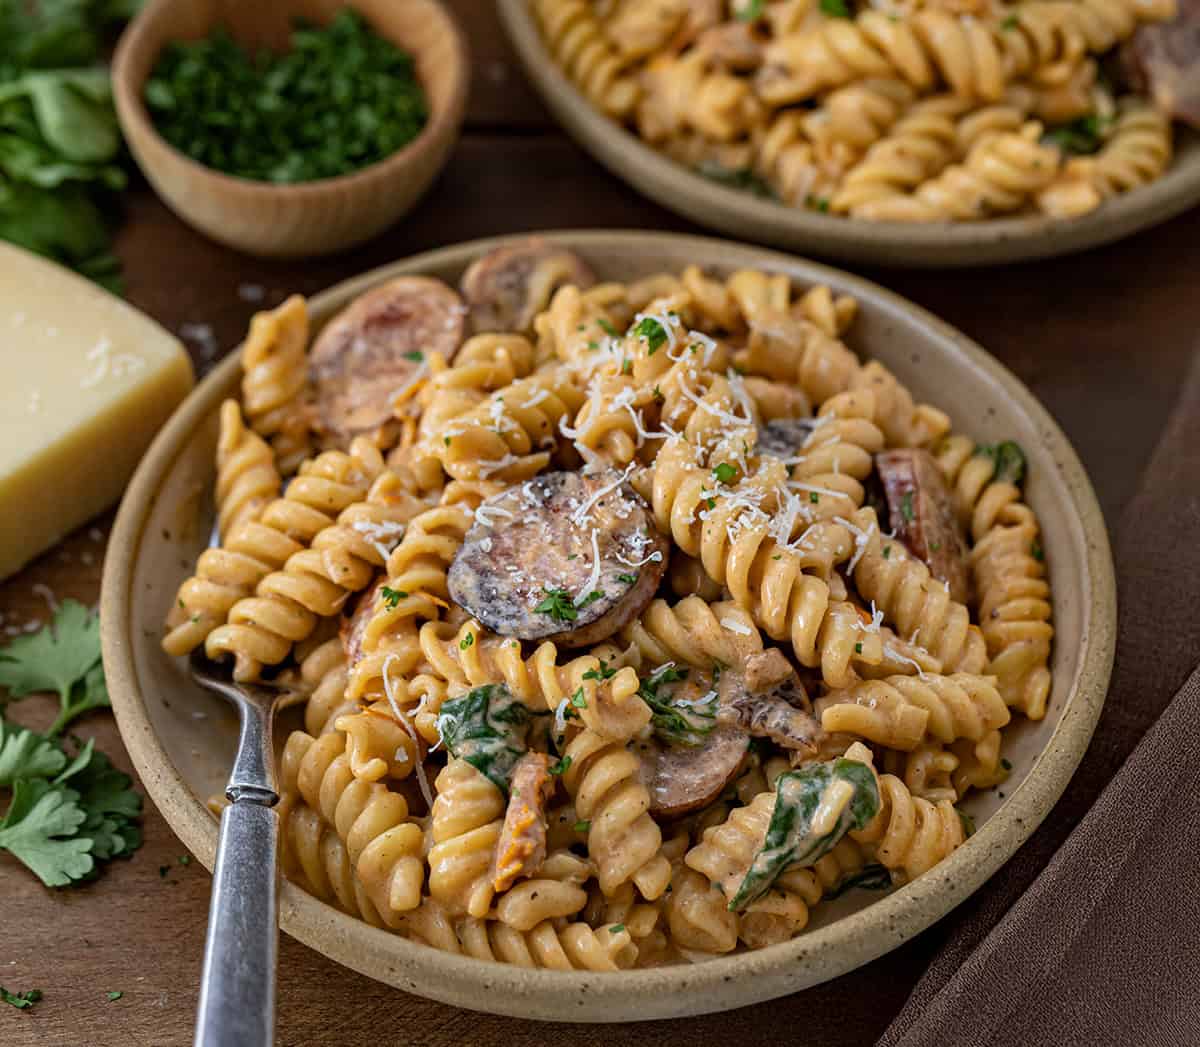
<point>288,221</point>
<point>182,740</point>
<point>740,214</point>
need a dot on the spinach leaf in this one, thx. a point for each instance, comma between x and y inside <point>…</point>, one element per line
<point>488,728</point>
<point>676,721</point>
<point>1008,459</point>
<point>869,878</point>
<point>789,840</point>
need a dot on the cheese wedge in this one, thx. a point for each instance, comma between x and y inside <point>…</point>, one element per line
<point>85,383</point>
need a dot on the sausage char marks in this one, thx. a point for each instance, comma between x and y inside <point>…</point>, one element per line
<point>565,557</point>
<point>766,698</point>
<point>921,511</point>
<point>376,346</point>
<point>508,287</point>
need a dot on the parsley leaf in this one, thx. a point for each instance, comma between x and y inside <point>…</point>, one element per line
<point>582,826</point>
<point>114,996</point>
<point>607,327</point>
<point>578,699</point>
<point>836,9</point>
<point>628,579</point>
<point>906,506</point>
<point>653,332</point>
<point>616,928</point>
<point>39,830</point>
<point>62,657</point>
<point>725,473</point>
<point>24,754</point>
<point>415,355</point>
<point>750,11</point>
<point>591,598</point>
<point>560,766</point>
<point>466,641</point>
<point>391,597</point>
<point>558,605</point>
<point>21,1000</point>
<point>605,672</point>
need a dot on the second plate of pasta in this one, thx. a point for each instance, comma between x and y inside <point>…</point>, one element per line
<point>917,135</point>
<point>666,618</point>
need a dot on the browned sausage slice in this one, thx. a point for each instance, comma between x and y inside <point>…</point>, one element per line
<point>922,514</point>
<point>374,347</point>
<point>681,779</point>
<point>521,848</point>
<point>1163,61</point>
<point>784,437</point>
<point>767,699</point>
<point>565,556</point>
<point>354,624</point>
<point>508,287</point>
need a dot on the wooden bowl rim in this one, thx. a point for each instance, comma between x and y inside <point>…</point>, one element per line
<point>903,244</point>
<point>729,981</point>
<point>441,122</point>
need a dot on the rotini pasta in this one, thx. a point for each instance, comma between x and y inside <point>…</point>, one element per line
<point>599,658</point>
<point>878,113</point>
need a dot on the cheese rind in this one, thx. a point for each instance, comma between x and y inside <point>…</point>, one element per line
<point>85,382</point>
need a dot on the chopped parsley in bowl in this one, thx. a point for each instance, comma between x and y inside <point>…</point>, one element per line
<point>341,98</point>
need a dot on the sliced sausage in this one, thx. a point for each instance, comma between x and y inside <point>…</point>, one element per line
<point>521,848</point>
<point>354,624</point>
<point>682,779</point>
<point>734,45</point>
<point>508,287</point>
<point>783,437</point>
<point>767,699</point>
<point>374,347</point>
<point>565,556</point>
<point>921,512</point>
<point>1163,61</point>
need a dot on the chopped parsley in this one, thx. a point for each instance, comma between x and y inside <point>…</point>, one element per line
<point>814,497</point>
<point>114,996</point>
<point>750,11</point>
<point>416,356</point>
<point>628,579</point>
<point>578,700</point>
<point>1008,457</point>
<point>446,440</point>
<point>591,598</point>
<point>392,597</point>
<point>835,9</point>
<point>887,551</point>
<point>817,203</point>
<point>968,823</point>
<point>1009,22</point>
<point>710,502</point>
<point>652,332</point>
<point>858,648</point>
<point>617,928</point>
<point>626,366</point>
<point>466,641</point>
<point>1035,551</point>
<point>1004,762</point>
<point>742,178</point>
<point>606,327</point>
<point>603,673</point>
<point>725,473</point>
<point>560,766</point>
<point>558,605</point>
<point>582,826</point>
<point>906,507</point>
<point>22,1001</point>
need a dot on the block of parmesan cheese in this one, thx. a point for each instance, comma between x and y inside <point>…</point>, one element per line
<point>85,383</point>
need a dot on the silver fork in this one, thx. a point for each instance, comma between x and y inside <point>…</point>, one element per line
<point>237,988</point>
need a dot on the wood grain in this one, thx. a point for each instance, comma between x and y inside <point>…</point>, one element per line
<point>1103,339</point>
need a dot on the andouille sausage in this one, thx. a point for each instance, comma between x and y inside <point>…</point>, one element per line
<point>767,699</point>
<point>922,514</point>
<point>565,557</point>
<point>521,848</point>
<point>508,287</point>
<point>375,346</point>
<point>1163,60</point>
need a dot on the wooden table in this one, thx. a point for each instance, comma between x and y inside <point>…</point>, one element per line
<point>1102,338</point>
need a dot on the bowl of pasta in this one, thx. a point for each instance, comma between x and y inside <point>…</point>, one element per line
<point>671,624</point>
<point>958,132</point>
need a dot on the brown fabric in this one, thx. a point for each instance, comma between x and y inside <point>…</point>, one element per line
<point>1097,944</point>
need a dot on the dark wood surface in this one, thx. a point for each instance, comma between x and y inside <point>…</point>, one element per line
<point>1102,338</point>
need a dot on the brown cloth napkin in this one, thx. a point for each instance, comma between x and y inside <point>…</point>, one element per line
<point>1099,943</point>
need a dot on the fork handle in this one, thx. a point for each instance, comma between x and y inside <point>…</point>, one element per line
<point>237,993</point>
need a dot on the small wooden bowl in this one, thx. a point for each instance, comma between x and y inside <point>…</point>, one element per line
<point>305,218</point>
<point>181,739</point>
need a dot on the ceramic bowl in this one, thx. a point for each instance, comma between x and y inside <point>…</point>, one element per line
<point>182,740</point>
<point>908,245</point>
<point>307,218</point>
